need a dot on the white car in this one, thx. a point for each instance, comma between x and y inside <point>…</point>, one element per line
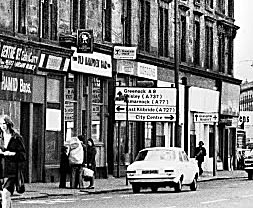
<point>160,167</point>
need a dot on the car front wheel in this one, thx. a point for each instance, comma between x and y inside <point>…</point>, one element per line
<point>136,188</point>
<point>193,185</point>
<point>178,186</point>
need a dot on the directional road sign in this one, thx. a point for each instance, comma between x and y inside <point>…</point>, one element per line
<point>205,117</point>
<point>145,104</point>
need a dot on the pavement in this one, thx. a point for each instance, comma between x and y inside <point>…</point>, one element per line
<point>111,184</point>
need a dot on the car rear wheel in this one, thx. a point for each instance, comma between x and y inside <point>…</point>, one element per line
<point>154,189</point>
<point>178,186</point>
<point>136,188</point>
<point>194,185</point>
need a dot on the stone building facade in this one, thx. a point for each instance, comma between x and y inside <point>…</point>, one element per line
<point>41,38</point>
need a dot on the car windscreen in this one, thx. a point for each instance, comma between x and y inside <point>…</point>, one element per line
<point>156,155</point>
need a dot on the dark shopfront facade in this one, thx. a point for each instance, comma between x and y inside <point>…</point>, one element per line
<point>29,72</point>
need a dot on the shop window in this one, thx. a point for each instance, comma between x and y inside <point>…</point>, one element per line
<point>22,16</point>
<point>53,96</point>
<point>97,108</point>
<point>163,32</point>
<point>144,41</point>
<point>211,140</point>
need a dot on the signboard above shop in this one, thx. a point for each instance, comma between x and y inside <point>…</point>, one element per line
<point>145,104</point>
<point>124,52</point>
<point>96,63</point>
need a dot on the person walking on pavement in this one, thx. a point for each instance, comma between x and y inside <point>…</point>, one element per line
<point>200,153</point>
<point>84,145</point>
<point>91,160</point>
<point>13,149</point>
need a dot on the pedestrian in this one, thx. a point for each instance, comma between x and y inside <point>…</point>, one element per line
<point>84,145</point>
<point>64,167</point>
<point>75,157</point>
<point>14,153</point>
<point>91,161</point>
<point>200,153</point>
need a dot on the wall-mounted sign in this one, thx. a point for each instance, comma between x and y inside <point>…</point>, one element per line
<point>16,86</point>
<point>18,56</point>
<point>95,63</point>
<point>124,52</point>
<point>85,41</point>
<point>147,71</point>
<point>205,117</point>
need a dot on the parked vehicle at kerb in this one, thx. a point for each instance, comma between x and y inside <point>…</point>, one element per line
<point>160,167</point>
<point>248,164</point>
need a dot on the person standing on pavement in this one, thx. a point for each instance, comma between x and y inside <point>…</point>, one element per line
<point>91,160</point>
<point>13,150</point>
<point>200,153</point>
<point>84,145</point>
<point>64,167</point>
<point>75,160</point>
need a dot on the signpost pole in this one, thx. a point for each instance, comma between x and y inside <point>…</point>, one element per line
<point>118,158</point>
<point>127,129</point>
<point>214,150</point>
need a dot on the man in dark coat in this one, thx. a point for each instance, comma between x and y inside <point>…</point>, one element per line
<point>200,153</point>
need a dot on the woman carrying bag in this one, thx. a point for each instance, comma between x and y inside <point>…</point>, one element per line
<point>13,149</point>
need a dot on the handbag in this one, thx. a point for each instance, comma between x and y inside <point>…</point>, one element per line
<point>20,183</point>
<point>87,172</point>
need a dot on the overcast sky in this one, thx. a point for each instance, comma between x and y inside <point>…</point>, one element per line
<point>243,51</point>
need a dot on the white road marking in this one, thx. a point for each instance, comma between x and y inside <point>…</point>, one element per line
<point>214,201</point>
<point>107,197</point>
<point>48,201</point>
<point>88,199</point>
<point>246,196</point>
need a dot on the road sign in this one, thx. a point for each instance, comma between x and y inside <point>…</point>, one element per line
<point>145,104</point>
<point>205,117</point>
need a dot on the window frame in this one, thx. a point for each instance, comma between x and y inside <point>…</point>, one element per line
<point>144,27</point>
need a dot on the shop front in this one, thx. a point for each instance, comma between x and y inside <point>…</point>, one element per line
<point>88,83</point>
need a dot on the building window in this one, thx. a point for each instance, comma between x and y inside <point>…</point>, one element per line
<point>209,46</point>
<point>209,4</point>
<point>221,6</point>
<point>78,15</point>
<point>49,19</point>
<point>230,50</point>
<point>183,38</point>
<point>108,20</point>
<point>22,16</point>
<point>197,2</point>
<point>221,52</point>
<point>127,22</point>
<point>144,40</point>
<point>231,9</point>
<point>196,41</point>
<point>164,32</point>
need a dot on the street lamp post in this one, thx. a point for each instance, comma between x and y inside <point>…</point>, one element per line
<point>176,72</point>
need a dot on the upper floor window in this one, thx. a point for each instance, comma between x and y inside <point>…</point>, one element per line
<point>163,32</point>
<point>196,41</point>
<point>78,15</point>
<point>221,6</point>
<point>108,20</point>
<point>209,4</point>
<point>183,38</point>
<point>21,16</point>
<point>231,9</point>
<point>230,53</point>
<point>221,52</point>
<point>49,19</point>
<point>209,45</point>
<point>144,38</point>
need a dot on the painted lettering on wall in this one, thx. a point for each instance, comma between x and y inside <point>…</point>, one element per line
<point>15,84</point>
<point>93,62</point>
<point>18,56</point>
